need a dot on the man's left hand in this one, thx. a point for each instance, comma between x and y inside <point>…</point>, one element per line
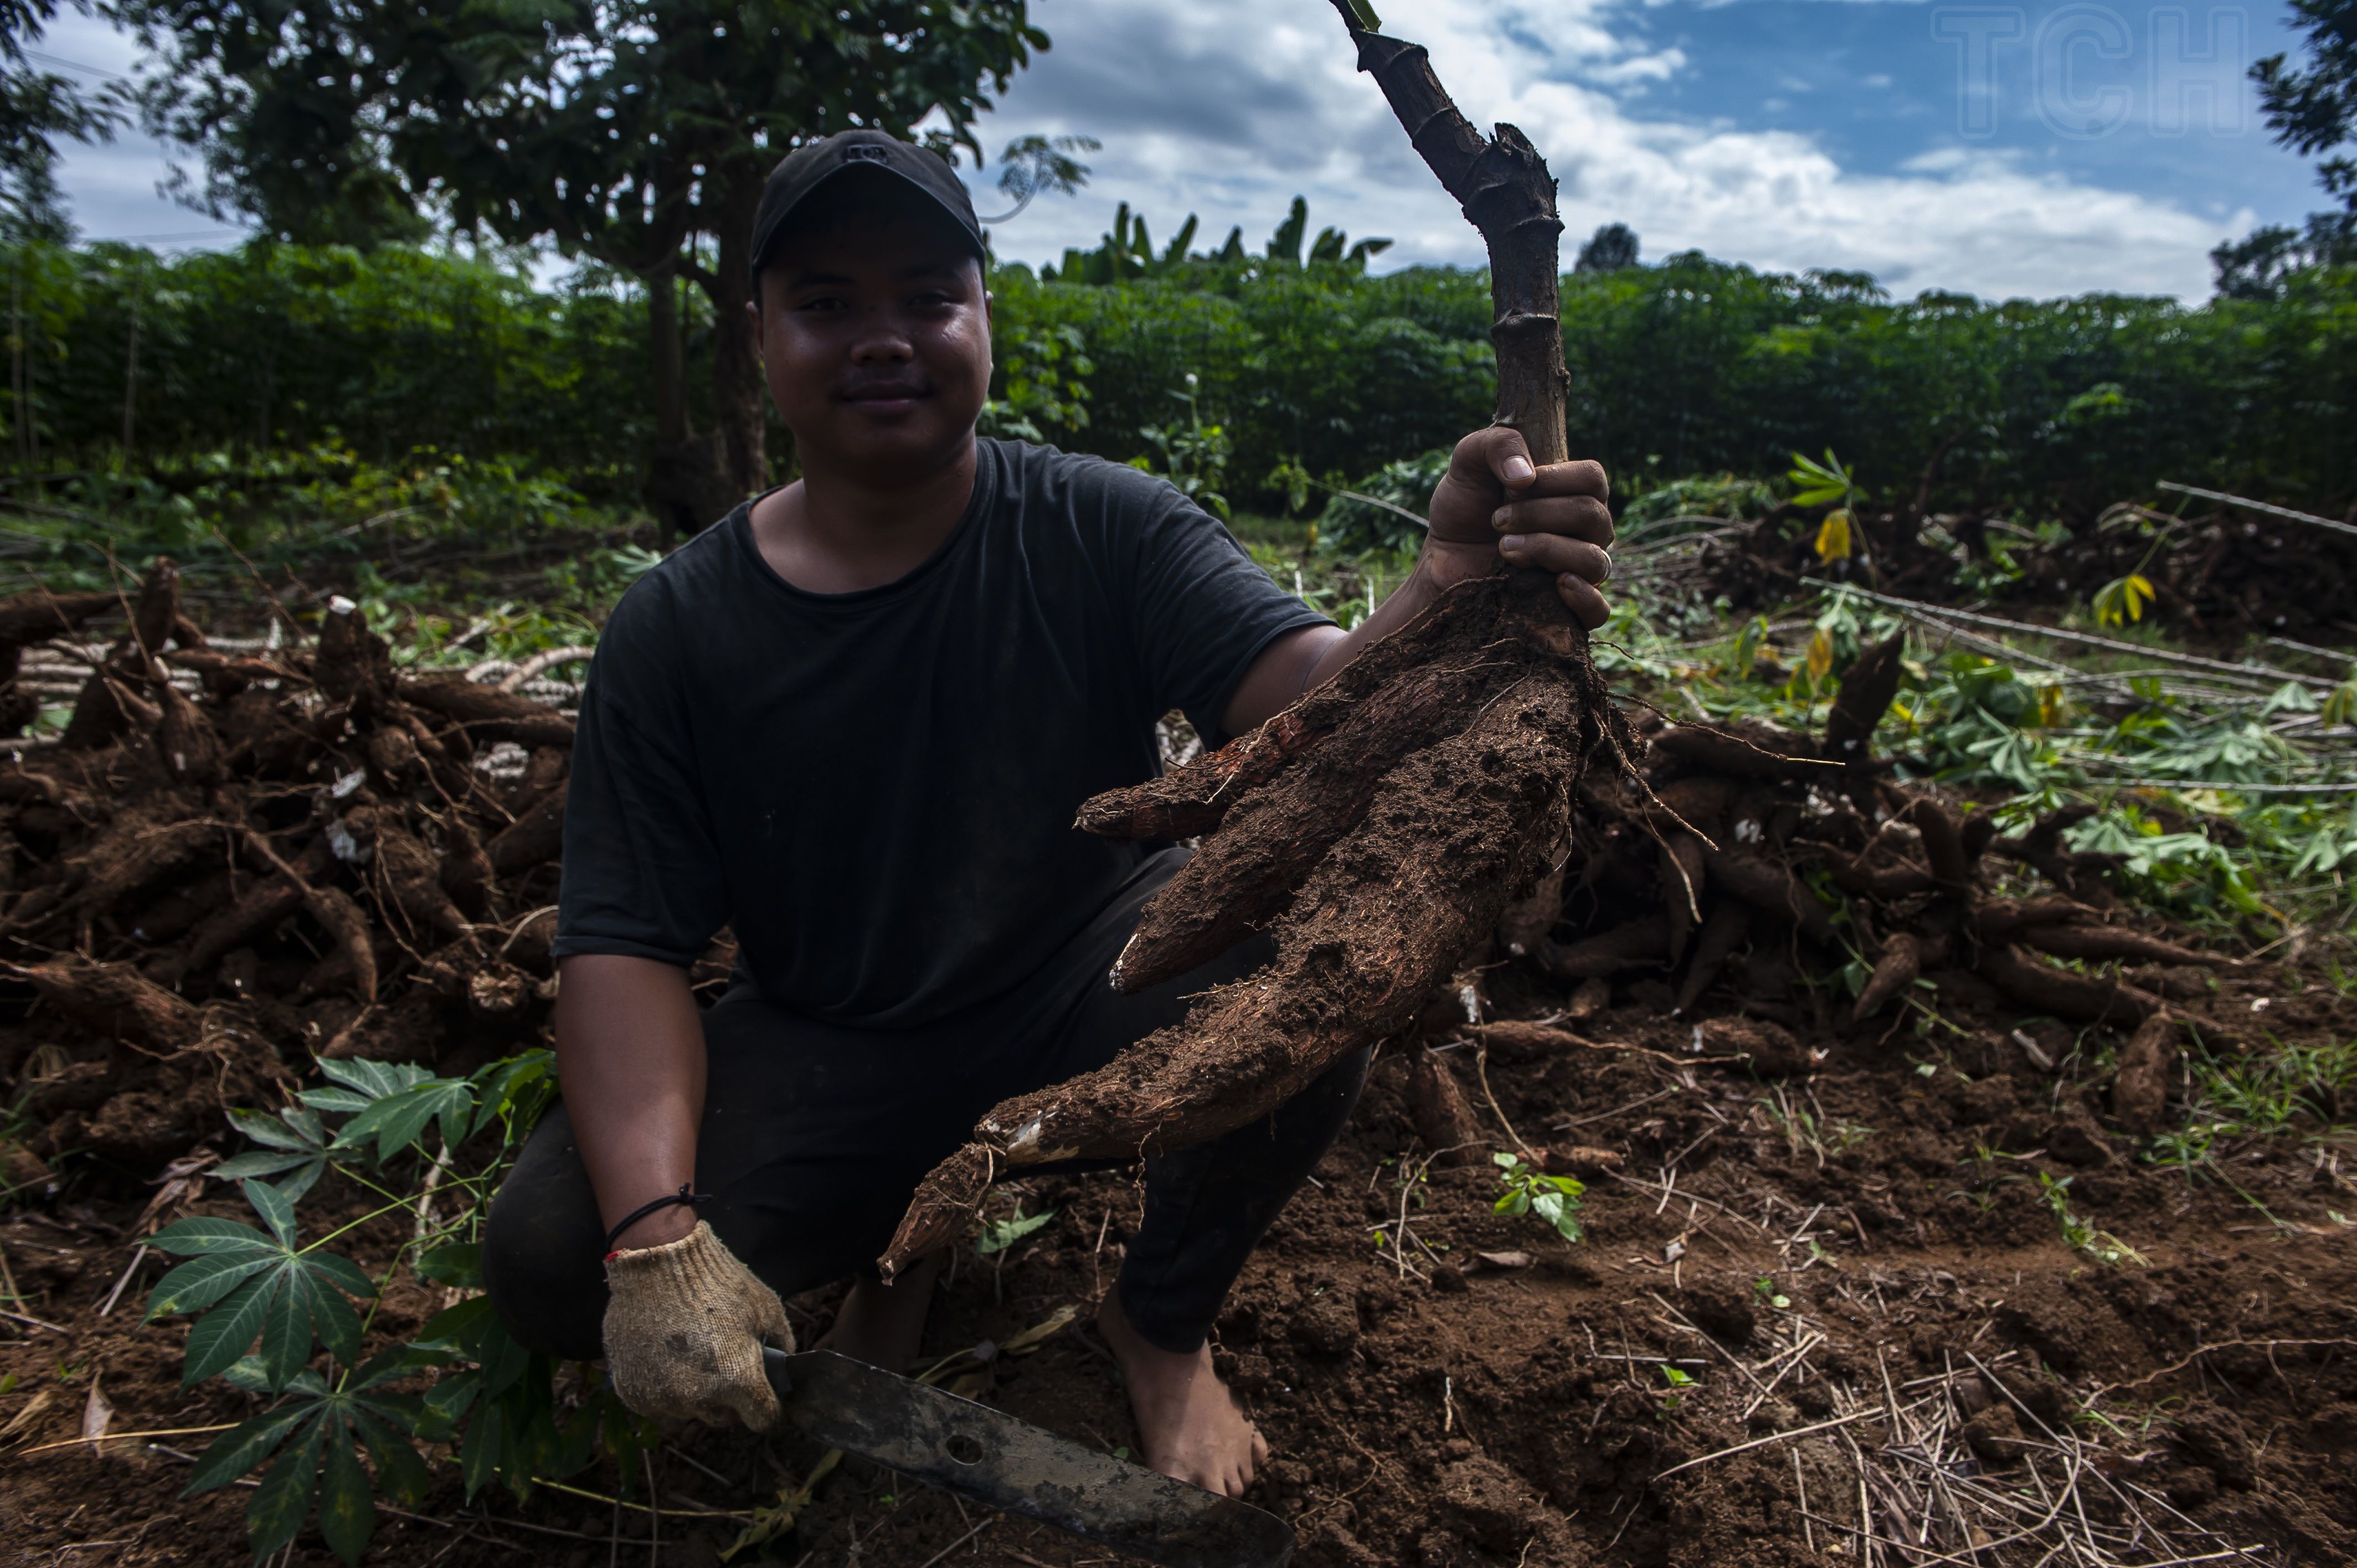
<point>1495,503</point>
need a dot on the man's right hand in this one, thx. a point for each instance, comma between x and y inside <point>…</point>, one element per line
<point>684,1328</point>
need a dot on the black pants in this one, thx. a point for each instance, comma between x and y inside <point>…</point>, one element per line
<point>815,1136</point>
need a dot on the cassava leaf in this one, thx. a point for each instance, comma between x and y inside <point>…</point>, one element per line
<point>373,1080</point>
<point>347,1500</point>
<point>400,1118</point>
<point>341,1272</point>
<point>304,1178</point>
<point>479,1454</point>
<point>445,1402</point>
<point>399,1470</point>
<point>286,1326</point>
<point>334,1321</point>
<point>269,1132</point>
<point>203,1233</point>
<point>224,1334</point>
<point>277,1210</point>
<point>201,1282</point>
<point>258,1164</point>
<point>454,1264</point>
<point>283,1500</point>
<point>237,1450</point>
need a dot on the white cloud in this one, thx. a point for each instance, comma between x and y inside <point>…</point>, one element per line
<point>1227,108</point>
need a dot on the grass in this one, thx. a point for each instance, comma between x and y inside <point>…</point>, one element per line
<point>2296,1093</point>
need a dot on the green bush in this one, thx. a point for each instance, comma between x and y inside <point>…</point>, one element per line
<point>1693,368</point>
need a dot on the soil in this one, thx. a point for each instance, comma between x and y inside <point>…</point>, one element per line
<point>1442,1409</point>
<point>1863,1286</point>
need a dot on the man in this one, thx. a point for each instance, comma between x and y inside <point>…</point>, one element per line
<point>852,721</point>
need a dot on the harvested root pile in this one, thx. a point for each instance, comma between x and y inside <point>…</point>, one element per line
<point>2215,570</point>
<point>1378,827</point>
<point>1747,857</point>
<point>1756,859</point>
<point>231,860</point>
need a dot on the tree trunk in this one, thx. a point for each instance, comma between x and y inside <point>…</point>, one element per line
<point>689,484</point>
<point>667,361</point>
<point>737,388</point>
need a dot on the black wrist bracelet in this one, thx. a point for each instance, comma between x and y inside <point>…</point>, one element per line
<point>686,1197</point>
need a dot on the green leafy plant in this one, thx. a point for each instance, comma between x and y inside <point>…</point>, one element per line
<point>2081,1237</point>
<point>1530,1191</point>
<point>278,1316</point>
<point>1194,455</point>
<point>998,1235</point>
<point>1828,483</point>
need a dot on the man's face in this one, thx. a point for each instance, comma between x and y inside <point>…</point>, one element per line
<point>875,333</point>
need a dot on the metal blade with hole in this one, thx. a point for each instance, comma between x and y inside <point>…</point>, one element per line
<point>1003,1463</point>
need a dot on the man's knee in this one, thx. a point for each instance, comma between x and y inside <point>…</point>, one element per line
<point>542,1267</point>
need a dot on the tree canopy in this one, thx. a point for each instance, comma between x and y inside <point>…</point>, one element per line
<point>39,107</point>
<point>621,129</point>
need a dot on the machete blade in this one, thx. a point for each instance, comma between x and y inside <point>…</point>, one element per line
<point>1003,1463</point>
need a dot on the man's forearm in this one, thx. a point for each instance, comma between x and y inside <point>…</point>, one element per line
<point>630,1055</point>
<point>1315,655</point>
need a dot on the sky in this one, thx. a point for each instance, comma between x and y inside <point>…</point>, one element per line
<point>2054,148</point>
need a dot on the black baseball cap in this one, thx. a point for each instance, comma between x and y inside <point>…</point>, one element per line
<point>801,174</point>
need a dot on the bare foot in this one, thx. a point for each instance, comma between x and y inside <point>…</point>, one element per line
<point>882,1325</point>
<point>1187,1419</point>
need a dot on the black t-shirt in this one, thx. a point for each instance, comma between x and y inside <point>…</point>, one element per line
<point>876,789</point>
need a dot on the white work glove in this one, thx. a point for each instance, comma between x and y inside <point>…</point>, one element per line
<point>685,1330</point>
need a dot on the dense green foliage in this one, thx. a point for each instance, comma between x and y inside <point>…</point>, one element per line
<point>1691,367</point>
<point>281,346</point>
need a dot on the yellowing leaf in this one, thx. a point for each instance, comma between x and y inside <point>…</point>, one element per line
<point>2122,602</point>
<point>1821,654</point>
<point>2049,706</point>
<point>2341,703</point>
<point>1833,536</point>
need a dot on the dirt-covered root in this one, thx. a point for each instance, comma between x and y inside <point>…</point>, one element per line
<point>115,1000</point>
<point>286,853</point>
<point>1244,875</point>
<point>1194,799</point>
<point>1457,828</point>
